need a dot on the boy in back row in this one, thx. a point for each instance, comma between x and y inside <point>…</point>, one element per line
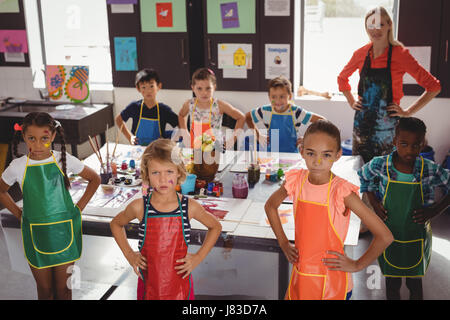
<point>149,117</point>
<point>280,118</point>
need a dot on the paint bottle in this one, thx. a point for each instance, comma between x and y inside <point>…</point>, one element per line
<point>268,172</point>
<point>254,172</point>
<point>240,187</point>
<point>114,169</point>
<point>132,164</point>
<point>124,165</point>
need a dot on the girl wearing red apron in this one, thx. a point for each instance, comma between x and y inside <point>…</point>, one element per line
<point>205,112</point>
<point>322,204</point>
<point>162,262</point>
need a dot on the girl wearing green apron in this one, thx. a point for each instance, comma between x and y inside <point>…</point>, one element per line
<point>50,221</point>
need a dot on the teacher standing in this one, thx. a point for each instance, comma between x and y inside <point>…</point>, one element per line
<point>382,64</point>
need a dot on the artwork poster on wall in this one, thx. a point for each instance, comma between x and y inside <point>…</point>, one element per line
<point>67,83</point>
<point>163,16</point>
<point>125,52</point>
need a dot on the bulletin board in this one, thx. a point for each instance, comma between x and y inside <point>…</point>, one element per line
<point>231,37</point>
<point>13,36</point>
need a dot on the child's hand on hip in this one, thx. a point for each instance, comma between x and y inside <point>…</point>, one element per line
<point>290,251</point>
<point>188,264</point>
<point>380,210</point>
<point>341,263</point>
<point>422,215</point>
<point>137,261</point>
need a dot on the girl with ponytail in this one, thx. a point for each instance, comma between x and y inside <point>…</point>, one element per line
<point>50,221</point>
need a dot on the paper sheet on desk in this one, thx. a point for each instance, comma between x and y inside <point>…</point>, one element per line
<point>285,161</point>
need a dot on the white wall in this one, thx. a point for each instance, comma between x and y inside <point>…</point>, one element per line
<point>16,82</point>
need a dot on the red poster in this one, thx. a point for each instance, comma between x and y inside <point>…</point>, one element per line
<point>164,16</point>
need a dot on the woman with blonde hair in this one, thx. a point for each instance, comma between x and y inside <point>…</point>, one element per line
<point>382,63</point>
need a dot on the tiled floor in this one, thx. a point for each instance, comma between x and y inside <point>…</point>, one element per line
<point>224,274</point>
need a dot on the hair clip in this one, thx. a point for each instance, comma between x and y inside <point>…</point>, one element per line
<point>57,124</point>
<point>212,72</point>
<point>17,127</point>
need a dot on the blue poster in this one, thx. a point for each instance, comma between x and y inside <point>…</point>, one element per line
<point>126,53</point>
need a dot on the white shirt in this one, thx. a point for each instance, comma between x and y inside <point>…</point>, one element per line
<point>16,169</point>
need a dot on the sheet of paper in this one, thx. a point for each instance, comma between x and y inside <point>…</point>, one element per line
<point>423,56</point>
<point>14,57</point>
<point>278,60</point>
<point>125,53</point>
<point>122,8</point>
<point>230,15</point>
<point>234,55</point>
<point>277,7</point>
<point>13,41</point>
<point>236,73</point>
<point>9,6</point>
<point>121,1</point>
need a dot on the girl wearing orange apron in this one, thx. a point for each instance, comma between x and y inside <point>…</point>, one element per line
<point>198,127</point>
<point>315,234</point>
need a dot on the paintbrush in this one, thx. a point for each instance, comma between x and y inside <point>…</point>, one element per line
<point>95,151</point>
<point>107,149</point>
<point>117,141</point>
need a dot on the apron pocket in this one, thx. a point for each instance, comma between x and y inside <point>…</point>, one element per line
<point>404,254</point>
<point>52,238</point>
<point>305,286</point>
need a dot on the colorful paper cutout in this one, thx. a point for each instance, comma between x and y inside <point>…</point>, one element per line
<point>67,83</point>
<point>13,41</point>
<point>125,53</point>
<point>164,15</point>
<point>230,15</point>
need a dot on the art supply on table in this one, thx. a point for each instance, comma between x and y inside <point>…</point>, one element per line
<point>132,164</point>
<point>124,165</point>
<point>240,187</point>
<point>254,172</point>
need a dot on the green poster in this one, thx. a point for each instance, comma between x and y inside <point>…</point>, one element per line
<point>231,16</point>
<point>163,16</point>
<point>9,6</point>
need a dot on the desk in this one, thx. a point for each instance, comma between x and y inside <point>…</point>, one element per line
<point>244,226</point>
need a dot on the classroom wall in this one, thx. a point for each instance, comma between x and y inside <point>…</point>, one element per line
<point>17,82</point>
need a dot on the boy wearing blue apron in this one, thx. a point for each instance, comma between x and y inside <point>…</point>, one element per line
<point>278,124</point>
<point>149,116</point>
<point>405,182</point>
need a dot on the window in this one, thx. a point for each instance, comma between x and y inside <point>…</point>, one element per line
<point>69,32</point>
<point>333,30</point>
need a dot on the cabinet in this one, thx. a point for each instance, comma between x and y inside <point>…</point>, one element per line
<point>425,23</point>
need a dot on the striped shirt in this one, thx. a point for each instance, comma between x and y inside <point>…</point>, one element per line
<point>374,178</point>
<point>153,212</point>
<point>262,116</point>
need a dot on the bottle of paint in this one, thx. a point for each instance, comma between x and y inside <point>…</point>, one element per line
<point>254,172</point>
<point>114,169</point>
<point>240,187</point>
<point>268,172</point>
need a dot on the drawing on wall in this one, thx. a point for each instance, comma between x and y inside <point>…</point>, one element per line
<point>164,15</point>
<point>67,83</point>
<point>230,15</point>
<point>13,41</point>
<point>125,53</point>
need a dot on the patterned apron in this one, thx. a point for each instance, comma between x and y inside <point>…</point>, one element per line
<point>373,128</point>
